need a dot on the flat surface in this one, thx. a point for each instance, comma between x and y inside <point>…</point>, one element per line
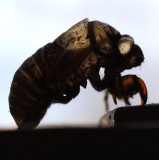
<point>137,117</point>
<point>79,142</point>
<point>135,136</point>
<point>147,112</point>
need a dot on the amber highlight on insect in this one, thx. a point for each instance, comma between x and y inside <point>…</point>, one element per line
<point>126,87</point>
<point>56,71</point>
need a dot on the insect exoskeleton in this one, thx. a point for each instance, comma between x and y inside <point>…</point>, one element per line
<point>126,87</point>
<point>55,72</point>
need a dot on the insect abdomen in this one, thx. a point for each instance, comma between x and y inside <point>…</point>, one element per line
<point>27,87</point>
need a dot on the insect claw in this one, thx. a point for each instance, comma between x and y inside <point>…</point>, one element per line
<point>142,91</point>
<point>126,100</point>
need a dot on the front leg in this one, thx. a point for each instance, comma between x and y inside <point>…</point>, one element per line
<point>95,80</point>
<point>101,84</point>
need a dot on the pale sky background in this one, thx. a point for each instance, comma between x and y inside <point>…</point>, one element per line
<point>28,25</point>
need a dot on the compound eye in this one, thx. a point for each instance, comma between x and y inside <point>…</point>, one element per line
<point>125,44</point>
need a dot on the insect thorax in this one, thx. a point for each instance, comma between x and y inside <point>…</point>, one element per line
<point>83,72</point>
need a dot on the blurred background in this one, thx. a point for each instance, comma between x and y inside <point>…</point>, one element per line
<point>28,25</point>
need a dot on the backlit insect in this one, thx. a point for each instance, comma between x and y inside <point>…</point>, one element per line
<point>126,87</point>
<point>56,71</point>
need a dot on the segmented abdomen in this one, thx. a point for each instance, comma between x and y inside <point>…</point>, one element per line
<point>28,86</point>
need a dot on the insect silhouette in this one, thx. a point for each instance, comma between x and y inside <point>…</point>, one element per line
<point>55,72</point>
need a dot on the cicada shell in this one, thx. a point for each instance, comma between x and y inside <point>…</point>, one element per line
<point>56,71</point>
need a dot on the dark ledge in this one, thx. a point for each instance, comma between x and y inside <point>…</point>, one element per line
<point>121,141</point>
<point>132,117</point>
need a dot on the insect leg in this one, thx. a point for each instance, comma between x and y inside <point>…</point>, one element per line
<point>67,95</point>
<point>95,80</point>
<point>106,100</point>
<point>142,90</point>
